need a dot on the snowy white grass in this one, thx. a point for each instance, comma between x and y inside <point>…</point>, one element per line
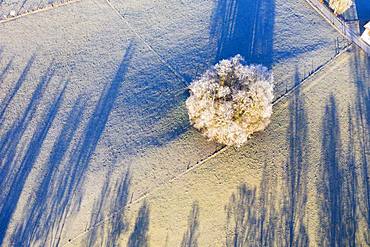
<point>231,101</point>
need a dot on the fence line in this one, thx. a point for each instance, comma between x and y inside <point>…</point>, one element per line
<point>339,24</point>
<point>219,151</point>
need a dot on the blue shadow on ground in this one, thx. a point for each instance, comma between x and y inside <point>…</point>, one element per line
<point>54,196</point>
<point>244,27</point>
<point>344,178</point>
<point>8,98</point>
<point>330,187</point>
<point>38,216</point>
<point>363,12</point>
<point>112,200</point>
<point>253,218</point>
<point>60,196</point>
<point>139,236</point>
<point>14,169</point>
<point>155,96</point>
<point>57,192</point>
<point>5,70</point>
<point>337,186</point>
<point>296,170</point>
<point>245,225</point>
<point>361,127</point>
<point>190,237</point>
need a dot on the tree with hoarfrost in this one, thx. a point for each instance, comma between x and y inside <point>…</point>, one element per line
<point>231,101</point>
<point>340,6</point>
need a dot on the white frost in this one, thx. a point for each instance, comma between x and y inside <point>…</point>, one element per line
<point>231,101</point>
<point>12,13</point>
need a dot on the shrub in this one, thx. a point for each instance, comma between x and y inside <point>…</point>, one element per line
<point>231,101</point>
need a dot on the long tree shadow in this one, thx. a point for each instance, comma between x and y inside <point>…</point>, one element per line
<point>351,190</point>
<point>252,219</point>
<point>331,183</point>
<point>64,196</point>
<point>338,182</point>
<point>107,233</point>
<point>29,231</point>
<point>13,184</point>
<point>241,217</point>
<point>96,232</point>
<point>5,103</point>
<point>295,192</point>
<point>153,98</point>
<point>57,193</point>
<point>5,70</point>
<point>11,172</point>
<point>10,140</point>
<point>139,235</point>
<point>116,224</point>
<point>361,72</point>
<point>344,190</point>
<point>190,238</point>
<point>244,27</point>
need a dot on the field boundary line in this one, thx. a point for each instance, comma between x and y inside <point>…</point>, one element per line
<point>341,26</point>
<point>208,158</point>
<point>166,63</point>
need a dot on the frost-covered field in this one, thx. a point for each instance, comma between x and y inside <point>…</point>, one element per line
<point>305,180</point>
<point>12,8</point>
<point>92,112</point>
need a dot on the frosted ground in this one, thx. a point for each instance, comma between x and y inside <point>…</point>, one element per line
<point>92,119</point>
<point>303,181</point>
